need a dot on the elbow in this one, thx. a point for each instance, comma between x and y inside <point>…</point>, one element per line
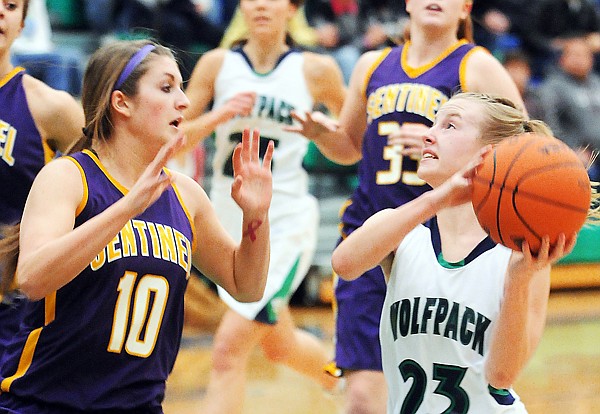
<point>27,286</point>
<point>501,378</point>
<point>342,267</point>
<point>249,297</point>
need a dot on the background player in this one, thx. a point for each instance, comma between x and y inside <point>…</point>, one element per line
<point>258,84</point>
<point>36,121</point>
<point>393,97</point>
<point>107,241</point>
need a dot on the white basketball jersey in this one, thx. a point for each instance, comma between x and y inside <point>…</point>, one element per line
<point>436,328</point>
<point>278,93</point>
<point>293,215</point>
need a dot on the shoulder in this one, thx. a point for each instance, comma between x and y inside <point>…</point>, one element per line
<point>317,65</point>
<point>57,114</point>
<point>485,74</point>
<point>192,194</point>
<point>38,91</point>
<point>62,172</point>
<point>210,63</point>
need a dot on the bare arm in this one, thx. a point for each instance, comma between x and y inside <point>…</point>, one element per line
<point>341,141</point>
<point>198,123</point>
<point>381,234</point>
<point>58,116</point>
<point>239,269</point>
<point>522,316</point>
<point>485,74</point>
<point>52,252</point>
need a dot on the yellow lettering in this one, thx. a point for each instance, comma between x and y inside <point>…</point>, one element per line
<point>140,226</point>
<point>128,244</point>
<point>167,243</point>
<point>155,241</point>
<point>183,253</point>
<point>114,250</point>
<point>98,262</point>
<point>390,97</point>
<point>7,137</point>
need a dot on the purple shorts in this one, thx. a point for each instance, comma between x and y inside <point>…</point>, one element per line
<point>359,306</point>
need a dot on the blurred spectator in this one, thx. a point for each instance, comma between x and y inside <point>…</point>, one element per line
<point>59,68</point>
<point>571,98</point>
<point>337,25</point>
<point>559,20</point>
<point>180,24</point>
<point>383,22</point>
<point>504,25</point>
<point>518,66</point>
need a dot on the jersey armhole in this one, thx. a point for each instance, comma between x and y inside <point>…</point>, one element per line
<point>462,71</point>
<point>84,197</point>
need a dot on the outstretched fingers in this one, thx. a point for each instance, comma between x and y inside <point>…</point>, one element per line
<point>268,156</point>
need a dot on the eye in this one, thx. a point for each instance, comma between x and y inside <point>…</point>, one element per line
<point>167,87</point>
<point>11,6</point>
<point>450,125</point>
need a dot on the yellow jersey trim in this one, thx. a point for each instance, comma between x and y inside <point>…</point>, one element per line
<point>418,71</point>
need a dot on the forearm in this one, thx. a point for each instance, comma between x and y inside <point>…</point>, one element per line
<point>201,127</point>
<point>251,259</point>
<point>519,328</point>
<point>381,234</point>
<point>55,263</point>
<point>338,147</point>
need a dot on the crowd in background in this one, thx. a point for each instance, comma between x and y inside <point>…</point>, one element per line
<point>550,47</point>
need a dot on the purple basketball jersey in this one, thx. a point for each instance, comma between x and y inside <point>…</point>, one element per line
<point>108,339</point>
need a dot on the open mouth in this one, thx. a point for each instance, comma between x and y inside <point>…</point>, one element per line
<point>434,7</point>
<point>176,122</point>
<point>428,155</point>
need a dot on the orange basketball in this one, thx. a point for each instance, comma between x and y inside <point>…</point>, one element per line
<point>530,186</point>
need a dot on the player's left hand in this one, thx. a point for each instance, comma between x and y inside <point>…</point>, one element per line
<point>252,187</point>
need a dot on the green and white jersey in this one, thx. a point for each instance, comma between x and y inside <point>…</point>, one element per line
<point>294,215</point>
<point>436,328</point>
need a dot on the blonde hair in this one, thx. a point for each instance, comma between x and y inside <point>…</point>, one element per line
<point>503,119</point>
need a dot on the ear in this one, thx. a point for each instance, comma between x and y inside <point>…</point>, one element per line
<point>292,11</point>
<point>467,8</point>
<point>407,6</point>
<point>120,103</point>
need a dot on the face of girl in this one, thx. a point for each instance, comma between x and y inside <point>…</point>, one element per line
<point>11,22</point>
<point>157,108</point>
<point>452,141</point>
<point>438,13</point>
<point>267,16</point>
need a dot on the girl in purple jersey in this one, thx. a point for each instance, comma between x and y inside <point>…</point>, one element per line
<point>392,99</point>
<point>36,121</point>
<point>107,240</point>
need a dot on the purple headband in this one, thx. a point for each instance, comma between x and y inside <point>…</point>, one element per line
<point>135,60</point>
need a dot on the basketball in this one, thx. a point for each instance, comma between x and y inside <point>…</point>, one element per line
<point>530,186</point>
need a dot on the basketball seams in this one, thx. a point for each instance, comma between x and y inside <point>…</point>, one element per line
<point>537,186</point>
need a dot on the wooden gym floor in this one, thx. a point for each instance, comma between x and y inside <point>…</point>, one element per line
<point>562,378</point>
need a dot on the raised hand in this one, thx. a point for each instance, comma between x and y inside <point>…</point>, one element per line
<point>410,136</point>
<point>240,104</point>
<point>153,181</point>
<point>458,189</point>
<point>312,125</point>
<point>527,263</point>
<point>252,187</point>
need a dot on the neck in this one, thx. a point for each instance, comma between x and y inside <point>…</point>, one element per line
<point>5,66</point>
<point>124,159</point>
<point>460,231</point>
<point>425,47</point>
<point>264,54</point>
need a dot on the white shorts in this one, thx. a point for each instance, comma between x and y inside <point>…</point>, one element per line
<point>294,223</point>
